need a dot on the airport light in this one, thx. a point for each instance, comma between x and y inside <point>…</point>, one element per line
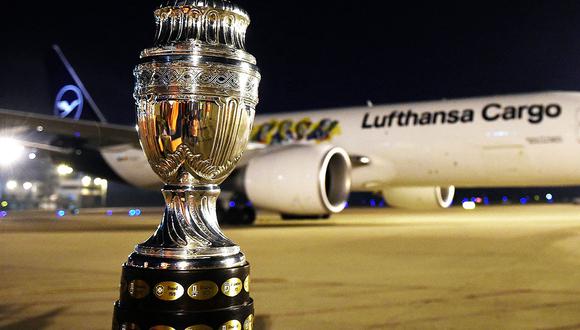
<point>39,128</point>
<point>109,213</point>
<point>11,184</point>
<point>101,182</point>
<point>3,214</point>
<point>64,170</point>
<point>60,213</point>
<point>27,185</point>
<point>4,204</point>
<point>11,151</point>
<point>549,197</point>
<point>32,156</point>
<point>469,205</point>
<point>86,181</point>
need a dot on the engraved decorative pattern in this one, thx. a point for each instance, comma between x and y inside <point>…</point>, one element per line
<point>213,22</point>
<point>152,78</point>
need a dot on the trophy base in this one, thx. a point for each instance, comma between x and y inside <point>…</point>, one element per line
<point>203,299</point>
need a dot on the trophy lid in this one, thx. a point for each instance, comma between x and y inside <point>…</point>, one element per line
<point>215,22</point>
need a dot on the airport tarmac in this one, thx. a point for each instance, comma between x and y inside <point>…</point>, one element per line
<point>515,267</point>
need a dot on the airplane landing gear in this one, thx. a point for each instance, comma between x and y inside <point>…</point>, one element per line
<point>236,211</point>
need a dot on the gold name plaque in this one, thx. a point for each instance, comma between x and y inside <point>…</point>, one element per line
<point>247,284</point>
<point>199,327</point>
<point>203,290</point>
<point>138,289</point>
<point>169,291</point>
<point>232,287</point>
<point>232,325</point>
<point>249,323</point>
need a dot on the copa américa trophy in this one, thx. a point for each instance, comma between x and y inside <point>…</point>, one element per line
<point>196,92</point>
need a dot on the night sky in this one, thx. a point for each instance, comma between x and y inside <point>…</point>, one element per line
<point>312,54</point>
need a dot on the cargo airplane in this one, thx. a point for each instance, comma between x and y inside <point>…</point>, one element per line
<point>306,163</point>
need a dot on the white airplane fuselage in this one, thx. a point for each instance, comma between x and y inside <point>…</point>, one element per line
<point>499,141</point>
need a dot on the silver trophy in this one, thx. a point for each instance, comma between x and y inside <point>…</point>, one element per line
<point>196,93</point>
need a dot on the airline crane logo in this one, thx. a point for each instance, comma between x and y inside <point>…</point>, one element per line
<point>69,100</point>
<point>288,131</point>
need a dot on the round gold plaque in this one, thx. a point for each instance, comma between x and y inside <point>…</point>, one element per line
<point>232,287</point>
<point>168,291</point>
<point>203,290</point>
<point>249,323</point>
<point>232,325</point>
<point>199,327</point>
<point>247,284</point>
<point>138,289</point>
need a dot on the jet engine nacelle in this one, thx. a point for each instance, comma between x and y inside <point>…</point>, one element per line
<point>419,198</point>
<point>299,180</point>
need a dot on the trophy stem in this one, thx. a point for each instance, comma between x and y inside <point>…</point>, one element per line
<point>189,236</point>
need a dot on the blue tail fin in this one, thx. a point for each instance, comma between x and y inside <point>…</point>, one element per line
<point>71,96</point>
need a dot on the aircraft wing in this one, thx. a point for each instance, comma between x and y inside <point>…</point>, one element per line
<point>94,133</point>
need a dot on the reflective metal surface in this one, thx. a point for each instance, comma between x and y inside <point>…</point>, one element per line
<point>211,21</point>
<point>196,94</point>
<point>195,141</point>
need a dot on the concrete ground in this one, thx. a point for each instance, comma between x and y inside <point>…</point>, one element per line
<point>514,267</point>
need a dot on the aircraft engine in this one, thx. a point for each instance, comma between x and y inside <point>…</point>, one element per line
<point>419,198</point>
<point>302,180</point>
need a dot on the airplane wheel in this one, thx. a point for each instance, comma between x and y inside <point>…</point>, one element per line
<point>241,216</point>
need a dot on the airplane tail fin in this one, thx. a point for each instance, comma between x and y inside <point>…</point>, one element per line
<point>70,95</point>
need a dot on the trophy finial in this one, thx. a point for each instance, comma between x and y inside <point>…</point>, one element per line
<point>209,21</point>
